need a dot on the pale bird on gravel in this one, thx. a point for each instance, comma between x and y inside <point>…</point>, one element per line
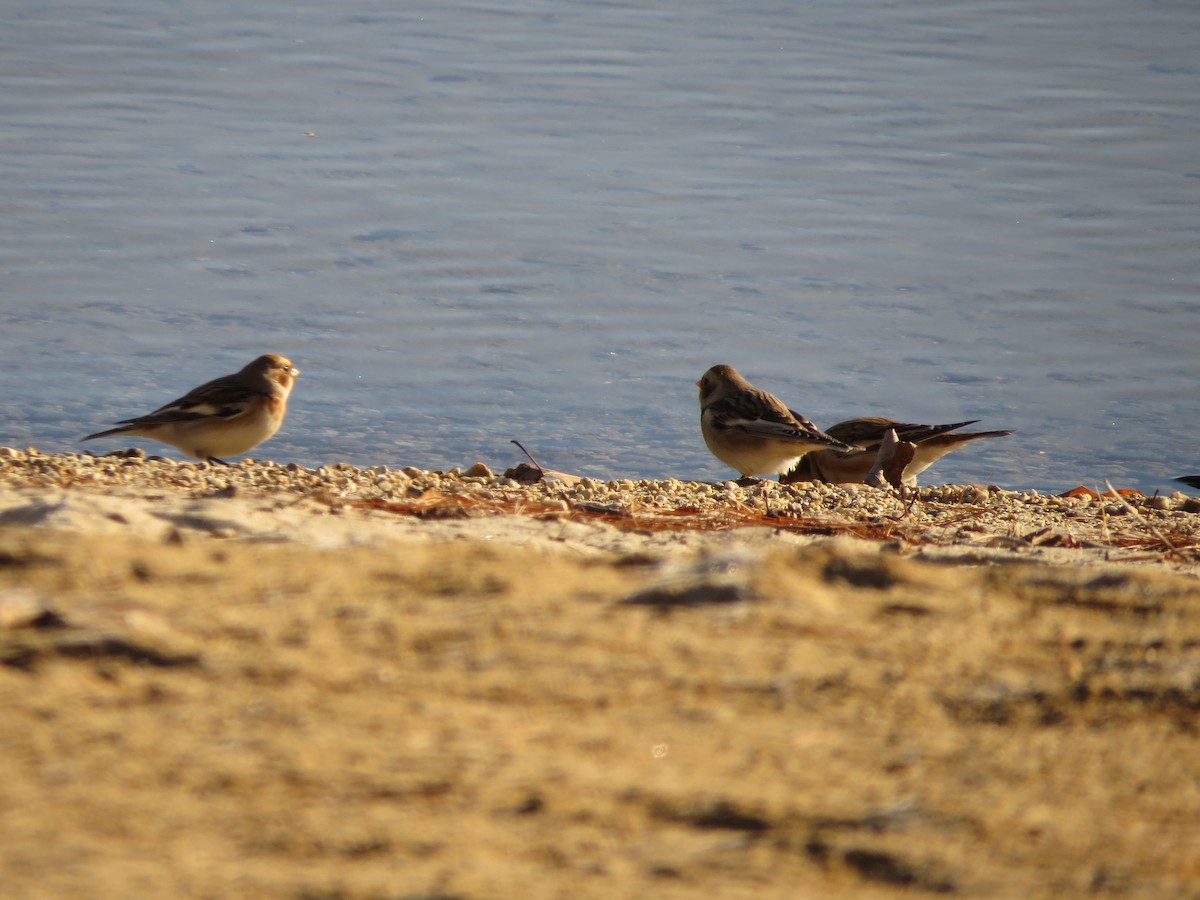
<point>752,431</point>
<point>223,417</point>
<point>930,443</point>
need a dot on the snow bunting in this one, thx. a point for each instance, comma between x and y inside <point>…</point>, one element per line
<point>223,417</point>
<point>891,461</point>
<point>931,443</point>
<point>753,431</point>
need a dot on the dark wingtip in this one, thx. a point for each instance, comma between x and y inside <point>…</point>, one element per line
<point>105,433</point>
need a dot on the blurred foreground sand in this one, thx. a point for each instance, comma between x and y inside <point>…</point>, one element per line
<point>311,703</point>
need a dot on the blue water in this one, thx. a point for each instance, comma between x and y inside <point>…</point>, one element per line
<point>468,223</point>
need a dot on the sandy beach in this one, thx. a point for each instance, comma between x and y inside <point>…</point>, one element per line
<point>272,681</point>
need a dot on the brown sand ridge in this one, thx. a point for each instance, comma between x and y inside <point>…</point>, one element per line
<point>276,682</point>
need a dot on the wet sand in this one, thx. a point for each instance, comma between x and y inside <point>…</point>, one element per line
<point>277,682</point>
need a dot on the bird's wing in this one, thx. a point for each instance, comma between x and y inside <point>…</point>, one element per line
<point>765,420</point>
<point>870,430</point>
<point>221,398</point>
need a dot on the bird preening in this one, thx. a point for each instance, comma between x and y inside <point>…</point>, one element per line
<point>930,443</point>
<point>756,433</point>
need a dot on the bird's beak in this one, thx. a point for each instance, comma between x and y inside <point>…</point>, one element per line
<point>697,384</point>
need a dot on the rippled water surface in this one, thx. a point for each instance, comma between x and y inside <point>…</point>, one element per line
<point>472,223</point>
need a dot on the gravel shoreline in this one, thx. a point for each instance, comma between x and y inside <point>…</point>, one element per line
<point>1081,528</point>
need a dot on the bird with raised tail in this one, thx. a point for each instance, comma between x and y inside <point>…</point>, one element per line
<point>930,443</point>
<point>752,431</point>
<point>222,417</point>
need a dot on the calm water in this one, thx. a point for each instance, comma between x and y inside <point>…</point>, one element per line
<point>475,222</point>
